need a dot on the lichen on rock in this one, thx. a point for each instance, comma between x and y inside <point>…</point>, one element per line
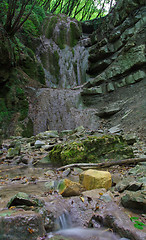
<point>90,149</point>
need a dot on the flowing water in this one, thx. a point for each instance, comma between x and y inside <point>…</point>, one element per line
<point>79,233</point>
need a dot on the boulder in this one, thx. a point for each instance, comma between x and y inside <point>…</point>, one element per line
<point>90,149</point>
<point>12,152</point>
<point>39,144</point>
<point>128,183</point>
<point>92,179</point>
<point>68,188</point>
<point>134,200</point>
<point>21,225</point>
<point>47,134</point>
<point>23,199</point>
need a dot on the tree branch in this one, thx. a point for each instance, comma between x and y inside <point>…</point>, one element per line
<point>103,164</point>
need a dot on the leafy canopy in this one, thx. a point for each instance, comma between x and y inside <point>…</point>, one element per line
<point>30,13</point>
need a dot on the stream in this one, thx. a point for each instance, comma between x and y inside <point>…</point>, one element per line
<point>77,217</point>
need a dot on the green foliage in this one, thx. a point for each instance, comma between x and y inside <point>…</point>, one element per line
<point>5,115</point>
<point>33,24</point>
<point>22,103</point>
<point>79,9</point>
<point>3,11</point>
<point>137,224</point>
<point>27,129</point>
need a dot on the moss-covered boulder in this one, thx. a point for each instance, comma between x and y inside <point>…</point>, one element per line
<point>90,149</point>
<point>12,152</point>
<point>23,199</point>
<point>63,30</point>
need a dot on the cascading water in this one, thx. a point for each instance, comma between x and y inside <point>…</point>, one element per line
<point>64,221</point>
<point>66,229</point>
<point>63,57</point>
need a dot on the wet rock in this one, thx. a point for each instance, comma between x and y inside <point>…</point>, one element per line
<point>108,111</point>
<point>107,197</point>
<point>116,178</point>
<point>77,171</point>
<point>21,199</point>
<point>52,185</point>
<point>92,179</point>
<point>21,225</point>
<point>134,200</point>
<point>49,173</point>
<point>128,184</point>
<point>142,181</point>
<point>44,160</point>
<point>94,193</point>
<point>68,188</point>
<point>12,152</point>
<point>65,132</point>
<point>39,144</point>
<point>130,138</point>
<point>112,216</point>
<point>138,170</point>
<point>66,172</point>
<point>47,135</point>
<point>115,129</point>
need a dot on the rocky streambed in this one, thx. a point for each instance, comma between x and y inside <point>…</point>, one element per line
<point>38,201</point>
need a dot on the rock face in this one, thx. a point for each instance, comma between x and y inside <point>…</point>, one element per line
<point>59,109</point>
<point>117,57</point>
<point>113,86</point>
<point>117,63</point>
<point>64,59</point>
<point>92,179</point>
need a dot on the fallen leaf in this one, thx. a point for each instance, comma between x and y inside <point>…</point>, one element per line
<point>82,199</point>
<point>30,230</point>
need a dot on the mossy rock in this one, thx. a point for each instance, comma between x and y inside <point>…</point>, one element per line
<point>63,30</point>
<point>32,67</point>
<point>75,33</point>
<point>23,199</point>
<point>91,149</point>
<point>27,129</point>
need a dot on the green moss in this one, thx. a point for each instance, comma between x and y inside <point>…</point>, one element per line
<point>5,114</point>
<point>28,129</point>
<point>22,103</point>
<point>41,74</point>
<point>75,68</point>
<point>62,39</point>
<point>32,67</point>
<point>91,149</point>
<point>75,33</point>
<point>51,27</point>
<point>54,67</point>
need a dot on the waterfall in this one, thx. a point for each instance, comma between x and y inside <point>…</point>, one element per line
<point>66,229</point>
<point>64,221</point>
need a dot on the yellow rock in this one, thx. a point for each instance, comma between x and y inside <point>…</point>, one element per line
<point>92,179</point>
<point>68,188</point>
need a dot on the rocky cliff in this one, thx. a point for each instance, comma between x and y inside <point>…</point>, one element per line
<point>112,94</point>
<point>94,73</point>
